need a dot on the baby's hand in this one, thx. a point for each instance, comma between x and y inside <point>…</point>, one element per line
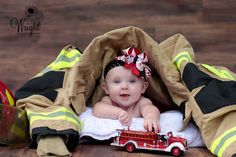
<point>150,124</point>
<point>124,118</point>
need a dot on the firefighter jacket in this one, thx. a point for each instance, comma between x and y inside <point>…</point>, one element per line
<point>204,93</point>
<point>39,98</point>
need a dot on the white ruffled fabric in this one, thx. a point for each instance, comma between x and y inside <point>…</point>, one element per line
<point>103,129</point>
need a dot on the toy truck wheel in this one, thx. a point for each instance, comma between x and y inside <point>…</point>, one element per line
<point>176,151</point>
<point>130,147</point>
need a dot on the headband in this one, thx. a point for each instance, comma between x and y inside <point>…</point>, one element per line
<point>132,59</point>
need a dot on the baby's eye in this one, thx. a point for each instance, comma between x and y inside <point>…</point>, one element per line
<point>116,81</point>
<point>132,81</point>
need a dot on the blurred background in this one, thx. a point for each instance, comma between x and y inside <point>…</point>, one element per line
<point>32,33</point>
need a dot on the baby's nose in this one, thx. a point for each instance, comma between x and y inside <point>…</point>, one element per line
<point>124,85</point>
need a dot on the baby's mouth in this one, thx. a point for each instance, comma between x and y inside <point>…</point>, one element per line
<point>124,95</point>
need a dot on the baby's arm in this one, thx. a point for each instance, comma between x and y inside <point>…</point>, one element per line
<point>105,109</point>
<point>151,115</point>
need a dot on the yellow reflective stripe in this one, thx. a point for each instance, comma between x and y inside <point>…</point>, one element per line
<point>59,114</point>
<point>70,53</point>
<point>214,71</point>
<point>222,142</point>
<point>227,74</point>
<point>221,73</point>
<point>61,111</point>
<point>215,143</point>
<point>72,120</point>
<point>182,54</point>
<point>180,60</point>
<point>181,57</point>
<point>226,144</point>
<point>59,65</point>
<point>65,59</point>
<point>18,131</point>
<point>9,98</point>
<point>49,112</point>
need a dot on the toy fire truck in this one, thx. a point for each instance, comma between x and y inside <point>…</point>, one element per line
<point>132,140</point>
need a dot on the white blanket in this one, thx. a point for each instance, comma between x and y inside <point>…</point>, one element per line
<point>103,129</point>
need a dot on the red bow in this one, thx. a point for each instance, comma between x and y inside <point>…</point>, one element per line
<point>135,60</point>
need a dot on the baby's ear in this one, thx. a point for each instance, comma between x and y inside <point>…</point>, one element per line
<point>145,85</point>
<point>104,87</point>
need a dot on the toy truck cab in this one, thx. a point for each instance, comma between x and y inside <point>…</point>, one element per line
<point>132,140</point>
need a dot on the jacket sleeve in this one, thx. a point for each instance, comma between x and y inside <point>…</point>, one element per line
<point>47,114</point>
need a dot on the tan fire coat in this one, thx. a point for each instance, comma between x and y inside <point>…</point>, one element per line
<point>204,93</point>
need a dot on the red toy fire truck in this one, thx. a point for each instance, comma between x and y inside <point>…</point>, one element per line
<point>132,140</point>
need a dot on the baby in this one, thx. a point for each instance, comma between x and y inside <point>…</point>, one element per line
<point>125,82</point>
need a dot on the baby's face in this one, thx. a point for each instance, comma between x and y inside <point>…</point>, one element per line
<point>123,87</point>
